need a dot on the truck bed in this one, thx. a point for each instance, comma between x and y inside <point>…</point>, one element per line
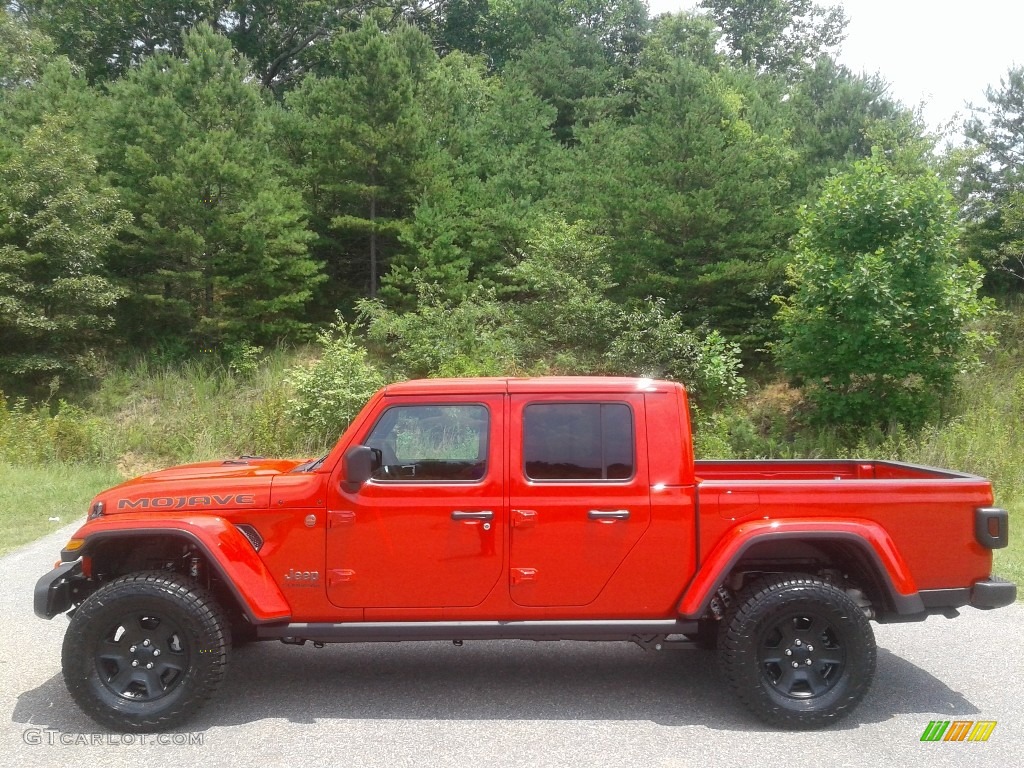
<point>911,503</point>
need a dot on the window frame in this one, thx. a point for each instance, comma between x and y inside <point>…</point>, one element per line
<point>437,404</point>
<point>580,481</point>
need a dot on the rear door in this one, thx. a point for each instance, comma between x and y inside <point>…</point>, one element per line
<point>579,494</point>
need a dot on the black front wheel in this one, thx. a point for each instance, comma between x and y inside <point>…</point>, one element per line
<point>798,651</point>
<point>145,651</point>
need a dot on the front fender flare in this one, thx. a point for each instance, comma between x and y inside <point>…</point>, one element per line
<point>870,538</point>
<point>226,549</point>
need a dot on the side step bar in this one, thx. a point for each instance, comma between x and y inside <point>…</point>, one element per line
<point>372,632</point>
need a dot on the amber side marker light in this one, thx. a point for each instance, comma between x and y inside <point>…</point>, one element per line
<point>68,553</point>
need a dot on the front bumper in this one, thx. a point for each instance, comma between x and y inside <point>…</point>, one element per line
<point>56,590</point>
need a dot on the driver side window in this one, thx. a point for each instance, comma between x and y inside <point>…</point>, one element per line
<point>431,443</point>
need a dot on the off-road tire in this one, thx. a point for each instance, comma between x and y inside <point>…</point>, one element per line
<point>788,620</point>
<point>146,651</point>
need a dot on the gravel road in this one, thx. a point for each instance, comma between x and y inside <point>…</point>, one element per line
<point>514,703</point>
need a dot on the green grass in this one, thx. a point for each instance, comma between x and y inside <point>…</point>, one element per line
<point>163,414</point>
<point>148,415</point>
<point>31,496</point>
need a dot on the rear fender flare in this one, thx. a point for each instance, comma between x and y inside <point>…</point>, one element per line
<point>226,549</point>
<point>868,537</point>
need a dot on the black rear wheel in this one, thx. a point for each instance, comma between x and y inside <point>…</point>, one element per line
<point>145,651</point>
<point>798,651</point>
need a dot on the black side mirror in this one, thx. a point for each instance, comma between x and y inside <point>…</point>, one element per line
<point>359,464</point>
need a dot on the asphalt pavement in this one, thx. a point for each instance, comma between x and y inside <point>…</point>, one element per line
<point>514,703</point>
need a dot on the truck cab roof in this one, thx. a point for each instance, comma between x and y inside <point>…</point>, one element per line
<point>527,385</point>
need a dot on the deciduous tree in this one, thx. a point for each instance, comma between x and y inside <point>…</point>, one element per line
<point>58,219</point>
<point>880,319</point>
<point>778,36</point>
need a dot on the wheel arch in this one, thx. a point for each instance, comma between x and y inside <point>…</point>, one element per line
<point>863,551</point>
<point>241,577</point>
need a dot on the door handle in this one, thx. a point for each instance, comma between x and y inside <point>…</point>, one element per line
<point>608,514</point>
<point>524,518</point>
<point>484,514</point>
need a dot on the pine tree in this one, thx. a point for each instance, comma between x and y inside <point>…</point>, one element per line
<point>361,142</point>
<point>218,246</point>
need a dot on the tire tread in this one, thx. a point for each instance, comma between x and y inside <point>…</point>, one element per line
<point>201,611</point>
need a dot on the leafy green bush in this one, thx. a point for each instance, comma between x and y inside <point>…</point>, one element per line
<point>471,337</point>
<point>30,435</point>
<point>330,392</point>
<point>243,358</point>
<point>650,343</point>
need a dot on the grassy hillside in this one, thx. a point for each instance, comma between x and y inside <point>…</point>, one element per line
<point>54,458</point>
<point>149,415</point>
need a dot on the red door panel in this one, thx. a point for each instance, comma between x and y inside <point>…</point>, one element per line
<point>579,495</point>
<point>428,530</point>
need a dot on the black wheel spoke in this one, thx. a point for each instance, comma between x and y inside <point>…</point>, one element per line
<point>163,634</point>
<point>817,631</point>
<point>153,683</point>
<point>815,681</point>
<point>123,680</point>
<point>169,666</point>
<point>787,680</point>
<point>116,652</point>
<point>830,660</point>
<point>786,633</point>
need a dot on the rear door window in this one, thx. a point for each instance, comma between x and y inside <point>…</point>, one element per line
<point>578,441</point>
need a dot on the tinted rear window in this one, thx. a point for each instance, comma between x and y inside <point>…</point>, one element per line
<point>578,441</point>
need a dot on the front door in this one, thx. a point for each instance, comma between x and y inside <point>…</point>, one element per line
<point>427,530</point>
<point>579,495</point>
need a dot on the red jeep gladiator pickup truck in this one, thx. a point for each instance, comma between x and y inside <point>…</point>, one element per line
<point>542,509</point>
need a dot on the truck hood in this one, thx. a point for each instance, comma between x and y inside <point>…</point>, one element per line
<point>211,486</point>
